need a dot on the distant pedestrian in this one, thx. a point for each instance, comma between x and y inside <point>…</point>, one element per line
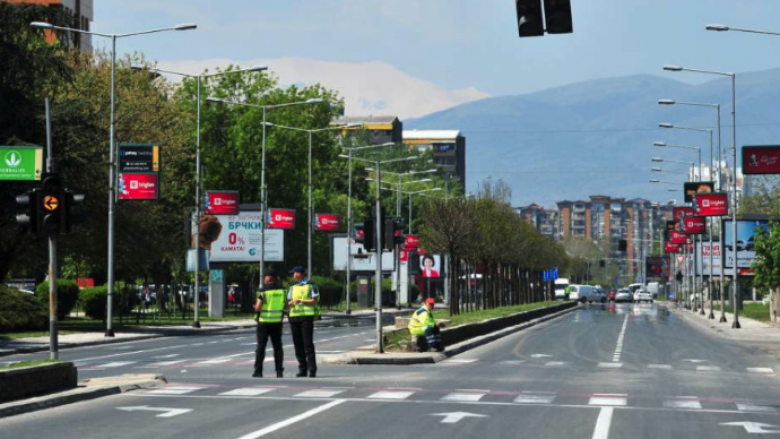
<point>303,299</point>
<point>269,310</point>
<point>423,326</point>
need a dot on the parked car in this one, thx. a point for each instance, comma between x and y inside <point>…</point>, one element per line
<point>643,296</point>
<point>624,295</point>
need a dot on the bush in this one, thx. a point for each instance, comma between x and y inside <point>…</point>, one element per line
<point>67,296</point>
<point>21,311</point>
<point>331,291</point>
<point>94,301</point>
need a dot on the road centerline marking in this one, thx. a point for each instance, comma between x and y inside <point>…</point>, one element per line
<point>295,419</point>
<point>603,422</point>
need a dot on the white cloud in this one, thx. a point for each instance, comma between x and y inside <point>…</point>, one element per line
<point>368,88</point>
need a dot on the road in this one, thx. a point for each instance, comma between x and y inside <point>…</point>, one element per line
<point>625,371</point>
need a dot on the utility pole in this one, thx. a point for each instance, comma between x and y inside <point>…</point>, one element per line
<point>378,247</point>
<point>53,324</point>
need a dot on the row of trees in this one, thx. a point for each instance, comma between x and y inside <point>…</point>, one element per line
<point>488,233</point>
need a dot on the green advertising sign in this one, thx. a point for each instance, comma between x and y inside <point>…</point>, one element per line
<point>21,162</point>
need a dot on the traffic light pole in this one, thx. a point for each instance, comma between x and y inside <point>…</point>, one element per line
<point>378,250</point>
<point>53,324</point>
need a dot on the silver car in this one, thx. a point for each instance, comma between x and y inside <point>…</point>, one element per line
<point>643,296</point>
<point>624,295</point>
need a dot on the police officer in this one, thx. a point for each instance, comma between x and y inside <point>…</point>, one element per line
<point>303,299</point>
<point>269,310</point>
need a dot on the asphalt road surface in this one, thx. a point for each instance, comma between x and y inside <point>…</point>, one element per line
<point>624,371</point>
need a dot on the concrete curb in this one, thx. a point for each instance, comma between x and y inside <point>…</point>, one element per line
<point>73,396</point>
<point>358,358</point>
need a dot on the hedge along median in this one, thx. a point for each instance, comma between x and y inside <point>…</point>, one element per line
<point>35,380</point>
<point>457,334</point>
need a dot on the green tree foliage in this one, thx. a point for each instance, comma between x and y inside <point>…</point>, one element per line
<point>767,263</point>
<point>21,311</point>
<point>67,296</point>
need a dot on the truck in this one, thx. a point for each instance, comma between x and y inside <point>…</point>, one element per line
<point>560,288</point>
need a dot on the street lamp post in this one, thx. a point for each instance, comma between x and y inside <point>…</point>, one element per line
<point>112,145</point>
<point>198,172</point>
<point>735,280</point>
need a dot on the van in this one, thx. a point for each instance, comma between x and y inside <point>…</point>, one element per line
<point>583,293</point>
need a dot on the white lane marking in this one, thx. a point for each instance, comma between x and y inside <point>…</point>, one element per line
<point>460,360</point>
<point>660,366</point>
<point>161,364</point>
<point>608,399</point>
<point>294,420</point>
<point>114,364</point>
<point>102,357</point>
<point>535,398</point>
<point>121,348</point>
<point>197,344</point>
<point>213,342</point>
<point>249,344</point>
<point>540,356</point>
<point>683,403</point>
<point>214,361</point>
<point>756,408</point>
<point>247,391</point>
<point>167,412</point>
<point>463,397</point>
<point>603,423</point>
<point>454,417</point>
<point>555,363</point>
<point>319,393</point>
<point>165,356</point>
<point>690,360</point>
<point>619,345</point>
<point>708,368</point>
<point>760,370</point>
<point>391,394</point>
<point>173,390</point>
<point>511,362</point>
<point>610,365</point>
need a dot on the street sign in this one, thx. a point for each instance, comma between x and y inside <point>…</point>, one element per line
<point>21,163</point>
<point>281,219</point>
<point>221,203</point>
<point>327,222</point>
<point>139,158</point>
<point>757,160</point>
<point>138,186</point>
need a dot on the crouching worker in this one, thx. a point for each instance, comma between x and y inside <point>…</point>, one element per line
<point>423,326</point>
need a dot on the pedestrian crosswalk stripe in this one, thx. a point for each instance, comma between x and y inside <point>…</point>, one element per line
<point>463,397</point>
<point>214,361</point>
<point>760,370</point>
<point>555,363</point>
<point>459,361</point>
<point>608,400</point>
<point>610,365</point>
<point>114,364</point>
<point>535,398</point>
<point>755,408</point>
<point>321,393</point>
<point>174,390</point>
<point>660,366</point>
<point>708,368</point>
<point>512,362</point>
<point>683,403</point>
<point>247,391</point>
<point>391,394</point>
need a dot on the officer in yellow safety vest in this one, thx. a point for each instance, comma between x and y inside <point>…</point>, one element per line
<point>303,301</point>
<point>423,326</point>
<point>269,308</point>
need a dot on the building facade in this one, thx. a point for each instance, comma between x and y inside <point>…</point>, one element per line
<point>544,220</point>
<point>448,146</point>
<point>381,129</point>
<point>83,13</point>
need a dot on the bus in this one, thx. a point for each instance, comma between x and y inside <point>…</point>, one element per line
<point>560,288</point>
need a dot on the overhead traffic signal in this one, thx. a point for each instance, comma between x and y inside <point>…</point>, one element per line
<point>392,233</point>
<point>557,16</point>
<point>533,20</point>
<point>529,18</point>
<point>72,215</point>
<point>27,208</point>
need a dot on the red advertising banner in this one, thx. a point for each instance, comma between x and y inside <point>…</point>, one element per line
<point>695,225</point>
<point>281,219</point>
<point>714,204</point>
<point>327,222</point>
<point>671,248</point>
<point>680,213</point>
<point>85,282</point>
<point>677,237</point>
<point>138,186</point>
<point>761,159</point>
<point>412,241</point>
<point>221,203</point>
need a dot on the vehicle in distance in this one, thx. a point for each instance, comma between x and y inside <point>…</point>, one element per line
<point>643,296</point>
<point>624,295</point>
<point>740,246</point>
<point>611,295</point>
<point>560,288</point>
<point>584,293</point>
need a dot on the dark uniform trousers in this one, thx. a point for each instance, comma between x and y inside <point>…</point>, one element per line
<point>302,329</point>
<point>274,332</point>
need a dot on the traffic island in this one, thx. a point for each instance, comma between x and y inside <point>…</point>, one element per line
<point>22,382</point>
<point>458,339</point>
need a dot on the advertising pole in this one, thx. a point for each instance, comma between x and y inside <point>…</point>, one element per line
<point>196,286</point>
<point>735,294</point>
<point>53,324</point>
<point>111,195</point>
<point>263,204</point>
<point>378,256</point>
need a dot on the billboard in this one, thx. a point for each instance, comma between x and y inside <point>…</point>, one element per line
<point>676,237</point>
<point>714,204</point>
<point>657,266</point>
<point>367,264</point>
<point>281,218</point>
<point>697,187</point>
<point>22,163</point>
<point>703,259</point>
<point>746,230</point>
<point>758,160</point>
<point>132,186</point>
<point>680,213</point>
<point>430,266</point>
<point>671,248</point>
<point>695,225</point>
<point>221,203</point>
<point>327,222</point>
<point>138,158</point>
<point>236,238</point>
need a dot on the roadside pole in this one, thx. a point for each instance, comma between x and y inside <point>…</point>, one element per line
<point>53,324</point>
<point>378,249</point>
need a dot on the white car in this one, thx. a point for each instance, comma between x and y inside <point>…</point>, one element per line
<point>643,296</point>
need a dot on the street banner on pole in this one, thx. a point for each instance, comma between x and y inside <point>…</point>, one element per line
<point>281,218</point>
<point>327,222</point>
<point>134,186</point>
<point>695,225</point>
<point>757,160</point>
<point>670,247</point>
<point>138,173</point>
<point>236,238</point>
<point>697,187</point>
<point>221,203</point>
<point>412,241</point>
<point>714,204</point>
<point>139,157</point>
<point>677,237</point>
<point>21,163</point>
<point>745,251</point>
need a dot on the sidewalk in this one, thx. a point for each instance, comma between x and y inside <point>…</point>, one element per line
<point>751,330</point>
<point>39,344</point>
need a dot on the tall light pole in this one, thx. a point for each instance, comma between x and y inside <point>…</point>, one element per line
<point>735,280</point>
<point>349,212</point>
<point>263,187</point>
<point>720,188</point>
<point>198,171</point>
<point>112,145</point>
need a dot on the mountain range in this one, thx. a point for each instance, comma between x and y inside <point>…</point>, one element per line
<point>596,137</point>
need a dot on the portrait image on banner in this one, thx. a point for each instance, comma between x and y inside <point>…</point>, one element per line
<point>697,187</point>
<point>758,160</point>
<point>430,266</point>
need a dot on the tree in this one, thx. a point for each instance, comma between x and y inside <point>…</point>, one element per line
<point>767,264</point>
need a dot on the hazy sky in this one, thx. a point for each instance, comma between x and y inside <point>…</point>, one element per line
<point>412,57</point>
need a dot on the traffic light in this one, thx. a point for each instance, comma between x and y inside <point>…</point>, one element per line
<point>602,263</point>
<point>413,261</point>
<point>392,233</point>
<point>399,236</point>
<point>27,205</point>
<point>557,16</point>
<point>622,245</point>
<point>364,234</point>
<point>51,206</point>
<point>72,214</point>
<point>529,18</point>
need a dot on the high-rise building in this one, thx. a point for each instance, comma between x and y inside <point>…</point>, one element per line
<point>82,12</point>
<point>544,220</point>
<point>448,146</point>
<point>381,129</point>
